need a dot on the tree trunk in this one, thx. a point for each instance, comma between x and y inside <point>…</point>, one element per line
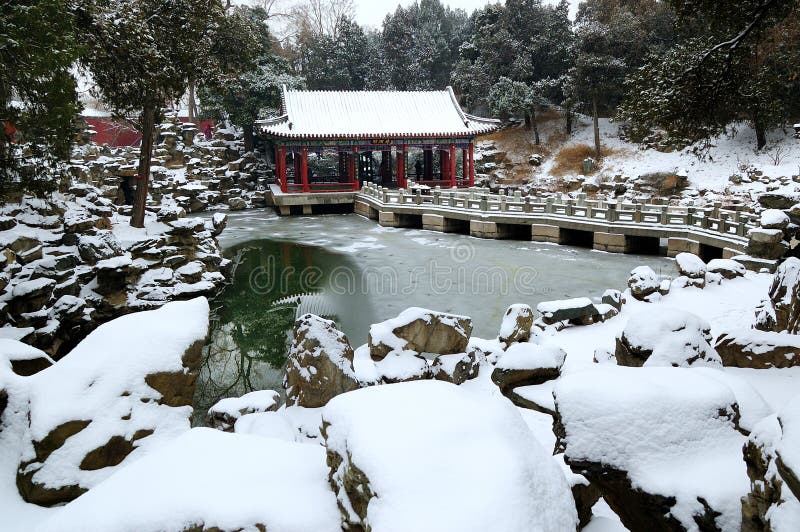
<point>528,123</point>
<point>568,116</point>
<point>140,199</point>
<point>249,139</point>
<point>535,126</point>
<point>192,104</point>
<point>596,127</point>
<point>761,133</point>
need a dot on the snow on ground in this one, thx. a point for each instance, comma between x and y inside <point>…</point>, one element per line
<point>207,477</point>
<point>726,157</point>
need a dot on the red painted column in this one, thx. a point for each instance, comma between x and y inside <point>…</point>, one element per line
<point>452,161</point>
<point>351,169</point>
<point>464,165</point>
<point>444,164</point>
<point>471,164</point>
<point>401,167</point>
<point>280,168</point>
<point>304,170</point>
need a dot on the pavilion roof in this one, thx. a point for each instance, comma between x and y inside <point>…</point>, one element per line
<point>369,114</point>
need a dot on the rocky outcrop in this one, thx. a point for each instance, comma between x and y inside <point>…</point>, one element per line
<point>527,364</point>
<point>643,283</point>
<point>766,244</point>
<point>376,460</point>
<point>784,299</point>
<point>749,348</point>
<point>23,359</point>
<point>727,268</point>
<point>516,324</point>
<point>320,363</point>
<point>421,331</point>
<point>666,337</point>
<point>116,392</point>
<point>224,414</point>
<point>616,425</point>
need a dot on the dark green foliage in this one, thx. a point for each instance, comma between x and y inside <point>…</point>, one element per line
<point>741,65</point>
<point>37,91</point>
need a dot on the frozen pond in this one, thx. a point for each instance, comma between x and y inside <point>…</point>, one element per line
<point>350,269</point>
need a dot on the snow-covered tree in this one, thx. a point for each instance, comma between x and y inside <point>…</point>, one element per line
<point>142,55</point>
<point>37,90</point>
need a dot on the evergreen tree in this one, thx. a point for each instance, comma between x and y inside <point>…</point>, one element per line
<point>248,86</point>
<point>738,61</point>
<point>37,91</point>
<point>142,55</point>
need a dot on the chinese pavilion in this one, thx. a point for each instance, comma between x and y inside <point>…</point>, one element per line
<point>335,141</point>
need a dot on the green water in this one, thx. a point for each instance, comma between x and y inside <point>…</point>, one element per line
<point>349,269</point>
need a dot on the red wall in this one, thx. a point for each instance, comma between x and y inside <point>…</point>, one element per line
<point>116,133</point>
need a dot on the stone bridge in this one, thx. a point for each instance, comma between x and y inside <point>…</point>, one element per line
<point>603,225</point>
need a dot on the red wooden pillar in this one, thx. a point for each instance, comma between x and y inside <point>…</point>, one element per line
<point>427,156</point>
<point>471,164</point>
<point>280,168</point>
<point>296,167</point>
<point>452,160</point>
<point>401,167</point>
<point>304,170</point>
<point>351,169</point>
<point>464,165</point>
<point>444,165</point>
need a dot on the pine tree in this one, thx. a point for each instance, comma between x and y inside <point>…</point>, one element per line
<point>37,90</point>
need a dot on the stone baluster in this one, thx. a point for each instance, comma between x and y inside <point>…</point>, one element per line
<point>637,213</point>
<point>723,222</point>
<point>503,205</point>
<point>690,216</point>
<point>717,207</point>
<point>548,205</point>
<point>526,207</point>
<point>437,195</point>
<point>484,202</point>
<point>452,199</point>
<point>569,208</point>
<point>581,199</point>
<point>664,215</point>
<point>418,196</point>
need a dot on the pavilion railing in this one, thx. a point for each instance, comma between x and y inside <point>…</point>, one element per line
<point>728,222</point>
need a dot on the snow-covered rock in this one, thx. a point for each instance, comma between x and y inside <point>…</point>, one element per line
<point>666,337</point>
<point>516,324</point>
<point>527,364</point>
<point>320,363</point>
<point>224,414</point>
<point>643,282</point>
<point>457,368</point>
<point>727,268</point>
<point>22,358</point>
<point>661,444</point>
<point>693,267</point>
<point>774,219</point>
<point>422,331</point>
<point>380,467</point>
<point>784,296</point>
<point>751,348</point>
<point>260,484</point>
<point>124,390</point>
<point>267,425</point>
<point>403,366</point>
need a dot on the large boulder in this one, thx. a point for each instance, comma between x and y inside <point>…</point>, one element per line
<point>666,337</point>
<point>224,414</point>
<point>380,467</point>
<point>766,244</point>
<point>403,366</point>
<point>127,388</point>
<point>516,324</point>
<point>527,364</point>
<point>264,484</point>
<point>774,219</point>
<point>772,504</point>
<point>784,295</point>
<point>577,310</point>
<point>751,348</point>
<point>643,282</point>
<point>94,248</point>
<point>31,296</point>
<point>663,445</point>
<point>692,269</point>
<point>422,331</point>
<point>320,363</point>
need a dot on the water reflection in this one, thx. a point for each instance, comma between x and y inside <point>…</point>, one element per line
<point>272,283</point>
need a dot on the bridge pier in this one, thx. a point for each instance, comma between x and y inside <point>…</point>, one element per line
<point>393,219</point>
<point>682,245</point>
<point>364,209</point>
<point>481,229</point>
<point>610,242</point>
<point>546,233</point>
<point>437,222</point>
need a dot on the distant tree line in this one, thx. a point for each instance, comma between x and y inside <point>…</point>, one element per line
<point>683,68</point>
